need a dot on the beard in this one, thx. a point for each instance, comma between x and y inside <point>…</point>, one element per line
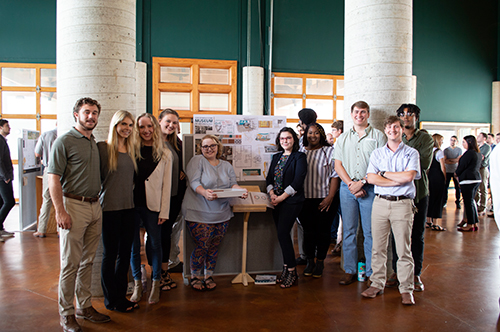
<point>87,126</point>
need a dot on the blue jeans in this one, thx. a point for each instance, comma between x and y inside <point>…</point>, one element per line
<point>352,209</point>
<point>150,222</point>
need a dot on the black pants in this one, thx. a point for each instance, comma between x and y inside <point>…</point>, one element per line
<point>317,227</point>
<point>468,193</point>
<point>284,215</point>
<point>450,176</point>
<point>117,237</point>
<point>417,237</point>
<point>7,201</point>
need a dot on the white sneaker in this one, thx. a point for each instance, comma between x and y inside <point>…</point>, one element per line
<point>4,233</point>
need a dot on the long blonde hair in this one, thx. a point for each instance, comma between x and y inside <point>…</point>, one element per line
<point>158,145</point>
<point>437,138</point>
<point>113,141</point>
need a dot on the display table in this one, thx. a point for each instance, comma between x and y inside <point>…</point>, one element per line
<point>244,278</point>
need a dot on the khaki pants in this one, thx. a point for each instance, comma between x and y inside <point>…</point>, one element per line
<point>482,192</point>
<point>398,217</point>
<point>43,219</point>
<point>78,246</point>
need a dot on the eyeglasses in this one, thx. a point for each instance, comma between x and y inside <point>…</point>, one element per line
<point>407,113</point>
<point>211,147</point>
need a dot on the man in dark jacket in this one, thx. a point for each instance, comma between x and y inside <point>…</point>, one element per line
<point>6,177</point>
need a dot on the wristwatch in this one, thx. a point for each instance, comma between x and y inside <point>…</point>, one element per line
<point>382,174</point>
<point>363,181</point>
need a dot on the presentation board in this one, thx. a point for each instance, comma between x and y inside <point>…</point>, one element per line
<point>249,141</point>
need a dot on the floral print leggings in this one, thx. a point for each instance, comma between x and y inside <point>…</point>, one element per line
<point>207,238</point>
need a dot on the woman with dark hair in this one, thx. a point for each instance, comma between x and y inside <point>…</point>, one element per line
<point>169,124</point>
<point>437,178</point>
<point>470,178</point>
<point>285,186</point>
<point>207,216</point>
<point>321,199</point>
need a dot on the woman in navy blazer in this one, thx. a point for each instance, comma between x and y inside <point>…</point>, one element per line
<point>470,178</point>
<point>285,186</point>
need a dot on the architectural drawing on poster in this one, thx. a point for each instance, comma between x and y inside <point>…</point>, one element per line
<point>248,141</point>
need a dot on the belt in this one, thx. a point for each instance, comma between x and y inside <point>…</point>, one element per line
<point>393,198</point>
<point>81,198</point>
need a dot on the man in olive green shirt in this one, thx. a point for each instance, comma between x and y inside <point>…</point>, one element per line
<point>423,143</point>
<point>74,184</point>
<point>482,192</point>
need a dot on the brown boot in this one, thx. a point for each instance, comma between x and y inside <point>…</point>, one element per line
<point>92,315</point>
<point>137,294</point>
<point>69,324</point>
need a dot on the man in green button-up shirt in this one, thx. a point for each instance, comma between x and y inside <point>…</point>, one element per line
<point>423,143</point>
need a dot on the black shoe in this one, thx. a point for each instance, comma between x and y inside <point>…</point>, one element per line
<point>282,277</point>
<point>458,205</point>
<point>301,261</point>
<point>179,268</point>
<point>308,271</point>
<point>291,279</point>
<point>318,270</point>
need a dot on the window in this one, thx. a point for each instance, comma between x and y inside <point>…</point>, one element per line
<point>292,92</point>
<point>194,86</point>
<point>28,99</point>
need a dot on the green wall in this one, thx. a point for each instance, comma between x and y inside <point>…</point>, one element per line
<point>308,36</point>
<point>455,59</point>
<point>28,31</point>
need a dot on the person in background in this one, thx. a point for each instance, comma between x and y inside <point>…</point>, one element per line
<point>118,165</point>
<point>451,156</point>
<point>322,200</point>
<point>392,170</point>
<point>306,117</point>
<point>300,130</point>
<point>482,192</point>
<point>491,141</point>
<point>352,154</point>
<point>169,123</point>
<point>330,139</point>
<point>497,138</point>
<point>437,177</point>
<point>6,177</point>
<point>151,200</point>
<point>337,130</point>
<point>207,216</point>
<point>285,186</point>
<point>468,172</point>
<point>42,150</point>
<point>75,183</point>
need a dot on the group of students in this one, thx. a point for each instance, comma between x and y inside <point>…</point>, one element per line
<point>142,183</point>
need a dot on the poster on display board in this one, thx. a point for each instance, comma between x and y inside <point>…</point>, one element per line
<point>249,141</point>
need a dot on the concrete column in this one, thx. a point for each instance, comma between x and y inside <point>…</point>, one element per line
<point>378,56</point>
<point>96,51</point>
<point>495,108</point>
<point>141,84</point>
<point>253,90</point>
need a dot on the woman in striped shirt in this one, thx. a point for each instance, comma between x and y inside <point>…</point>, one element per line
<point>322,200</point>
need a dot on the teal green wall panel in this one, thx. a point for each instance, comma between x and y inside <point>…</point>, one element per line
<point>308,36</point>
<point>195,29</point>
<point>28,31</point>
<point>455,59</point>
